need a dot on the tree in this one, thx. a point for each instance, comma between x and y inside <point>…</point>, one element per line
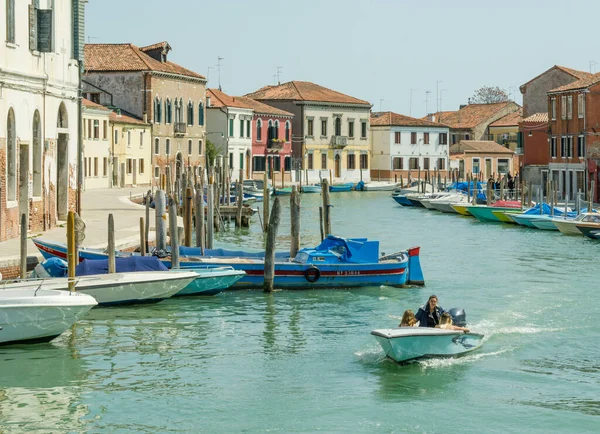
<point>489,95</point>
<point>211,152</point>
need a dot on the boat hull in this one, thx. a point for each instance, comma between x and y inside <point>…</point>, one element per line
<point>545,225</point>
<point>485,213</point>
<point>26,318</point>
<point>462,209</point>
<point>210,281</point>
<point>409,343</point>
<point>311,189</point>
<point>380,186</point>
<point>590,230</point>
<point>336,188</point>
<point>402,200</point>
<point>567,227</point>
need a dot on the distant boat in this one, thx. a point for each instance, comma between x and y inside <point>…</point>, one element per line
<point>380,186</point>
<point>569,226</point>
<point>282,191</point>
<point>30,313</point>
<point>341,187</point>
<point>312,189</point>
<point>484,213</point>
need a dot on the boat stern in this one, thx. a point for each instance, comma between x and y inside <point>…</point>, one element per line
<point>415,273</point>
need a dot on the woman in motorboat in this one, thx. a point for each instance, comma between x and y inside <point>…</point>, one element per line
<point>408,319</point>
<point>430,313</point>
<point>446,323</point>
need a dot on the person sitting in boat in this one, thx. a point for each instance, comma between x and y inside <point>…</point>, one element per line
<point>446,323</point>
<point>430,313</point>
<point>408,319</point>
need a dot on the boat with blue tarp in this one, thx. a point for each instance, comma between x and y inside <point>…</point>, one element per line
<point>336,188</point>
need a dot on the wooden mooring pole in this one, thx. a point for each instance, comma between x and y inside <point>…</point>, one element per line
<point>160,220</point>
<point>210,215</point>
<point>71,254</point>
<point>271,246</point>
<point>112,266</point>
<point>174,232</point>
<point>23,246</point>
<point>266,205</point>
<point>326,207</point>
<point>295,221</point>
<point>199,208</point>
<point>142,237</point>
<point>187,216</point>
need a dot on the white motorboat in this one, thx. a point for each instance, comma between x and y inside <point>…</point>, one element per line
<point>444,203</point>
<point>407,343</point>
<point>380,186</point>
<point>31,313</point>
<point>569,226</point>
<point>121,288</point>
<point>414,187</point>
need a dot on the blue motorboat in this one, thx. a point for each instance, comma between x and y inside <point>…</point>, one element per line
<point>312,189</point>
<point>403,200</point>
<point>335,263</point>
<point>335,188</point>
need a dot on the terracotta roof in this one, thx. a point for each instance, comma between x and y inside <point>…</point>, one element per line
<point>128,57</point>
<point>481,146</point>
<point>125,117</point>
<point>469,116</point>
<point>304,91</point>
<point>379,119</point>
<point>510,120</point>
<point>219,98</point>
<point>261,108</point>
<point>573,72</point>
<point>91,104</point>
<point>163,45</point>
<point>579,84</point>
<point>537,117</point>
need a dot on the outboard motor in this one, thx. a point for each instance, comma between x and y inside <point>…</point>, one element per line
<point>459,317</point>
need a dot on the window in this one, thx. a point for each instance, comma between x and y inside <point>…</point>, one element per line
<point>338,126</point>
<point>200,113</point>
<point>168,111</point>
<point>287,163</point>
<point>563,146</point>
<point>426,163</point>
<point>157,111</point>
<point>104,166</point>
<point>397,163</point>
<point>199,147</point>
<point>141,139</point>
<point>89,129</point>
<point>85,169</point>
<point>116,137</point>
<point>258,163</point>
<point>241,128</point>
<point>413,163</point>
<point>167,146</point>
<point>503,165</point>
<point>323,127</point>
<point>323,161</point>
<point>364,161</point>
<point>413,138</point>
<point>467,137</point>
<point>553,108</point>
<point>141,164</point>
<point>351,129</point>
<point>276,164</point>
<point>10,21</point>
<point>248,129</point>
<point>156,146</point>
<point>426,138</point>
<point>96,129</point>
<point>190,150</point>
<point>453,139</point>
<point>309,128</point>
<point>241,160</point>
<point>287,131</point>
<point>563,107</point>
<point>569,146</point>
<point>363,130</point>
<point>90,166</point>
<point>190,114</point>
<point>553,147</point>
<point>398,137</point>
<point>476,165</point>
<point>310,161</point>
<point>581,146</point>
<point>40,27</point>
<point>258,130</point>
<point>443,138</point>
<point>104,130</point>
<point>570,107</point>
<point>95,166</point>
<point>441,164</point>
<point>276,129</point>
<point>129,139</point>
<point>351,162</point>
<point>129,166</point>
<point>156,171</point>
<point>230,127</point>
<point>231,160</point>
<point>580,105</point>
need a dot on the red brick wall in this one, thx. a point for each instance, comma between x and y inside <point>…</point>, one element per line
<point>536,149</point>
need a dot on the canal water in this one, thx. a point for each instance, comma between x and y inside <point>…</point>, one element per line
<point>304,361</point>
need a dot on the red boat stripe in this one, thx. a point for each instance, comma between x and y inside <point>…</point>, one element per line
<point>329,273</point>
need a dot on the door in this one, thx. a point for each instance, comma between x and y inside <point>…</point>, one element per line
<point>134,174</point>
<point>338,166</point>
<point>488,167</point>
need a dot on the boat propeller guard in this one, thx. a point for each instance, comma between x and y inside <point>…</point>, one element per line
<point>312,274</point>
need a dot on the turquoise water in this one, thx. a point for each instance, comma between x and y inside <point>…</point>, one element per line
<point>304,361</point>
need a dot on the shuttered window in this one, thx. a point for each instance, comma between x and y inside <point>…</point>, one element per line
<point>44,30</point>
<point>10,21</point>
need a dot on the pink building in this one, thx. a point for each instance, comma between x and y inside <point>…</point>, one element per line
<point>271,140</point>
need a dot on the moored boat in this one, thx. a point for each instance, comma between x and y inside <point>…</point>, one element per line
<point>30,314</point>
<point>485,213</point>
<point>590,230</point>
<point>334,188</point>
<point>462,209</point>
<point>569,226</point>
<point>311,188</point>
<point>282,191</point>
<point>380,186</point>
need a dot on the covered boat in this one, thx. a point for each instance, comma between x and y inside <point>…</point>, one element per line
<point>335,188</point>
<point>312,188</point>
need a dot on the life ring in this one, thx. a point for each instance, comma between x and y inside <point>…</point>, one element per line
<point>312,274</point>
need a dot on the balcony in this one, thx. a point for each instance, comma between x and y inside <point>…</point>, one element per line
<point>275,145</point>
<point>179,128</point>
<point>339,141</point>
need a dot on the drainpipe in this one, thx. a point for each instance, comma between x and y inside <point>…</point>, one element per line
<point>79,141</point>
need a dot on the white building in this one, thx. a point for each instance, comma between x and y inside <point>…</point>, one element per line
<point>96,146</point>
<point>39,81</point>
<point>229,128</point>
<point>402,144</point>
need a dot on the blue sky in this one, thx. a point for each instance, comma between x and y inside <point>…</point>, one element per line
<point>375,50</point>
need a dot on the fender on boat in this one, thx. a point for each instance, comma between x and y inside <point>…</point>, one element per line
<point>415,273</point>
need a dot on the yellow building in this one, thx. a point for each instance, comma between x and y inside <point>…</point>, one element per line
<point>505,130</point>
<point>483,158</point>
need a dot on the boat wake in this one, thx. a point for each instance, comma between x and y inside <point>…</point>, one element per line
<point>443,362</point>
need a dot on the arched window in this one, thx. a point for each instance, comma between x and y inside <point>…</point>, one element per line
<point>156,171</point>
<point>11,157</point>
<point>287,131</point>
<point>258,130</point>
<point>157,111</point>
<point>190,150</point>
<point>167,146</point>
<point>200,113</point>
<point>338,126</point>
<point>200,147</point>
<point>180,117</point>
<point>156,146</point>
<point>277,129</point>
<point>10,21</point>
<point>168,111</point>
<point>190,113</point>
<point>37,155</point>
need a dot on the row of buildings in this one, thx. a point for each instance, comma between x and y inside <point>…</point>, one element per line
<point>77,116</point>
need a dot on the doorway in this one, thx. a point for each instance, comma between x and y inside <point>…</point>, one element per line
<point>488,167</point>
<point>338,166</point>
<point>134,172</point>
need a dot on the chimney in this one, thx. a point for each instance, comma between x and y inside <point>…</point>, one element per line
<point>462,106</point>
<point>208,101</point>
<point>145,117</point>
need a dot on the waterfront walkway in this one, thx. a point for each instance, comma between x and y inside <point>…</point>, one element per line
<point>97,205</point>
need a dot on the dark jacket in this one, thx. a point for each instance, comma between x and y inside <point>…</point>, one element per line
<point>423,314</point>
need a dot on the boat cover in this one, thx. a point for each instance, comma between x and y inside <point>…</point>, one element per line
<point>351,249</point>
<point>535,210</point>
<point>196,251</point>
<point>123,265</point>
